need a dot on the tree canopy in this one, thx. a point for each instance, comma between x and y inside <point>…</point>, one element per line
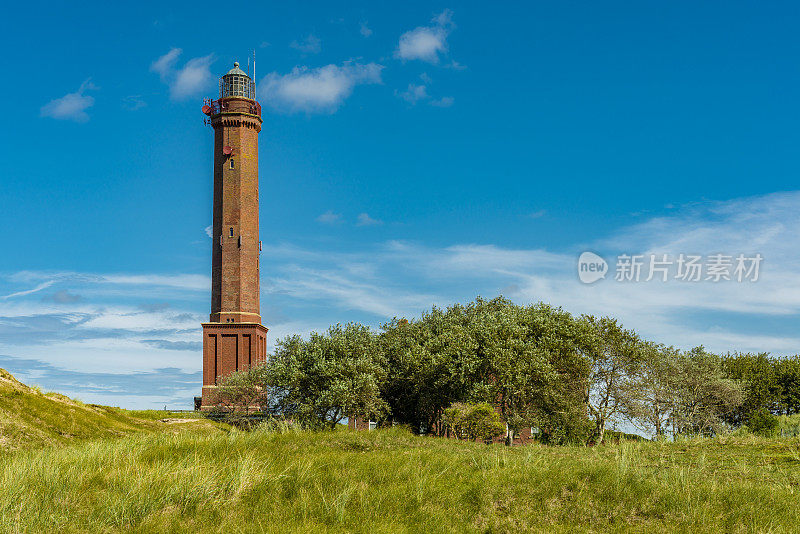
<point>535,366</point>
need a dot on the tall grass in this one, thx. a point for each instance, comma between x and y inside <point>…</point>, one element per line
<point>391,481</point>
<point>789,425</point>
<point>30,418</point>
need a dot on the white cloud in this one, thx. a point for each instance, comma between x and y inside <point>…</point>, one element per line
<point>71,106</point>
<point>62,296</point>
<point>134,320</point>
<point>165,65</point>
<point>444,102</point>
<point>310,45</point>
<point>365,220</point>
<point>133,102</point>
<point>352,291</point>
<point>43,285</point>
<point>426,43</point>
<point>189,80</point>
<point>193,78</point>
<point>316,90</point>
<point>329,217</point>
<point>192,282</point>
<point>209,230</point>
<point>537,214</point>
<point>364,30</point>
<point>414,93</point>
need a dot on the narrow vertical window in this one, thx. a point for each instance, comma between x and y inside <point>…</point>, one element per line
<point>231,231</point>
<point>232,164</point>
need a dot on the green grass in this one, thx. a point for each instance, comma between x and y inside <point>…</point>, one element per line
<point>113,470</point>
<point>391,481</point>
<point>158,415</point>
<point>30,418</point>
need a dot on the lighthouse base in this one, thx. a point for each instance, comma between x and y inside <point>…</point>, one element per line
<point>229,347</point>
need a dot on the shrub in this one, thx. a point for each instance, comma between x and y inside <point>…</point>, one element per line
<point>763,423</point>
<point>473,421</point>
<point>789,425</point>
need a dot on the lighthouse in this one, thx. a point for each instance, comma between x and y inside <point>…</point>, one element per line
<point>234,338</point>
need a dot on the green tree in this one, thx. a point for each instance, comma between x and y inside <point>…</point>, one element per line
<point>650,408</point>
<point>787,376</point>
<point>330,376</point>
<point>432,362</point>
<point>702,394</point>
<point>617,357</point>
<point>535,368</point>
<point>757,374</point>
<point>527,361</point>
<point>250,390</point>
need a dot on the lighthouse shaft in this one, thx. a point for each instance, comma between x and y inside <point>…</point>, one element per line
<point>235,257</point>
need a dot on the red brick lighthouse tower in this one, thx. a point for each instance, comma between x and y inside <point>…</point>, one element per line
<point>234,338</point>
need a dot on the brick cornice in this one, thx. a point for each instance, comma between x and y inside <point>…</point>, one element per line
<point>233,326</point>
<point>233,119</point>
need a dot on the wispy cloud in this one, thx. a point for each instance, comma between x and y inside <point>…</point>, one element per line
<point>416,93</point>
<point>311,44</point>
<point>71,106</point>
<point>189,80</point>
<point>351,291</point>
<point>193,282</point>
<point>396,276</point>
<point>329,217</point>
<point>365,220</point>
<point>62,296</point>
<point>364,30</point>
<point>444,102</point>
<point>43,285</point>
<point>323,89</point>
<point>133,102</point>
<point>165,65</point>
<point>426,43</point>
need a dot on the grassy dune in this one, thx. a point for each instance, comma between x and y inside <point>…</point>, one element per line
<point>30,418</point>
<point>391,481</point>
<point>115,470</point>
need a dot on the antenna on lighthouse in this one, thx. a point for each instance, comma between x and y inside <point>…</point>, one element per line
<point>254,66</point>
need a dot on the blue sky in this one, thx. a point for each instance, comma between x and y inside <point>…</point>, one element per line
<point>412,155</point>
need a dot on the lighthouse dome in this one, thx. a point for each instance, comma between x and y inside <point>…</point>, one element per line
<point>237,83</point>
<point>236,70</point>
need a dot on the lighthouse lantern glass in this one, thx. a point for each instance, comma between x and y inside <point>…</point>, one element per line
<point>237,85</point>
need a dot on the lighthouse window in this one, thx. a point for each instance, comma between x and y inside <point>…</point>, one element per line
<point>231,232</point>
<point>231,164</point>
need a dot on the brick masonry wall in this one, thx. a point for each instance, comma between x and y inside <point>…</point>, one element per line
<point>235,258</point>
